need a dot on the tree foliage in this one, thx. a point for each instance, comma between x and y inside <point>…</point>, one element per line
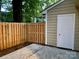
<point>0,5</point>
<point>7,14</point>
<point>46,3</point>
<point>32,8</point>
<point>7,5</point>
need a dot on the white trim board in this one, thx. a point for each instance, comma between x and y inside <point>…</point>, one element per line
<point>46,28</point>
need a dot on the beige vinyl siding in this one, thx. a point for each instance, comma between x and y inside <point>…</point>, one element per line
<point>77,31</point>
<point>66,7</point>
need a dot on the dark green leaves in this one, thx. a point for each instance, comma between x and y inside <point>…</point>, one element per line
<point>30,9</point>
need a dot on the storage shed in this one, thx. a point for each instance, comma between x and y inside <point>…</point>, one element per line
<point>62,26</point>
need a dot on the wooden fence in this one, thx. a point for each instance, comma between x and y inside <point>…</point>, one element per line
<point>12,34</point>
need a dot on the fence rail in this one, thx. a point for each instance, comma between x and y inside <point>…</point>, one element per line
<point>12,34</point>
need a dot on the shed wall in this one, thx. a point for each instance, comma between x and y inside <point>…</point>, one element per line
<point>66,7</point>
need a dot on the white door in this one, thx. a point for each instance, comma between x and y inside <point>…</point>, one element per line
<point>65,30</point>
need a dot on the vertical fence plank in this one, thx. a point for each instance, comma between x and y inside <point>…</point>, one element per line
<point>1,36</point>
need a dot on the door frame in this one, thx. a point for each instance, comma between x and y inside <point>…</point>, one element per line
<point>73,29</point>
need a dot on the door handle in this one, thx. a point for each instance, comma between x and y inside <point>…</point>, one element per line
<point>59,34</point>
